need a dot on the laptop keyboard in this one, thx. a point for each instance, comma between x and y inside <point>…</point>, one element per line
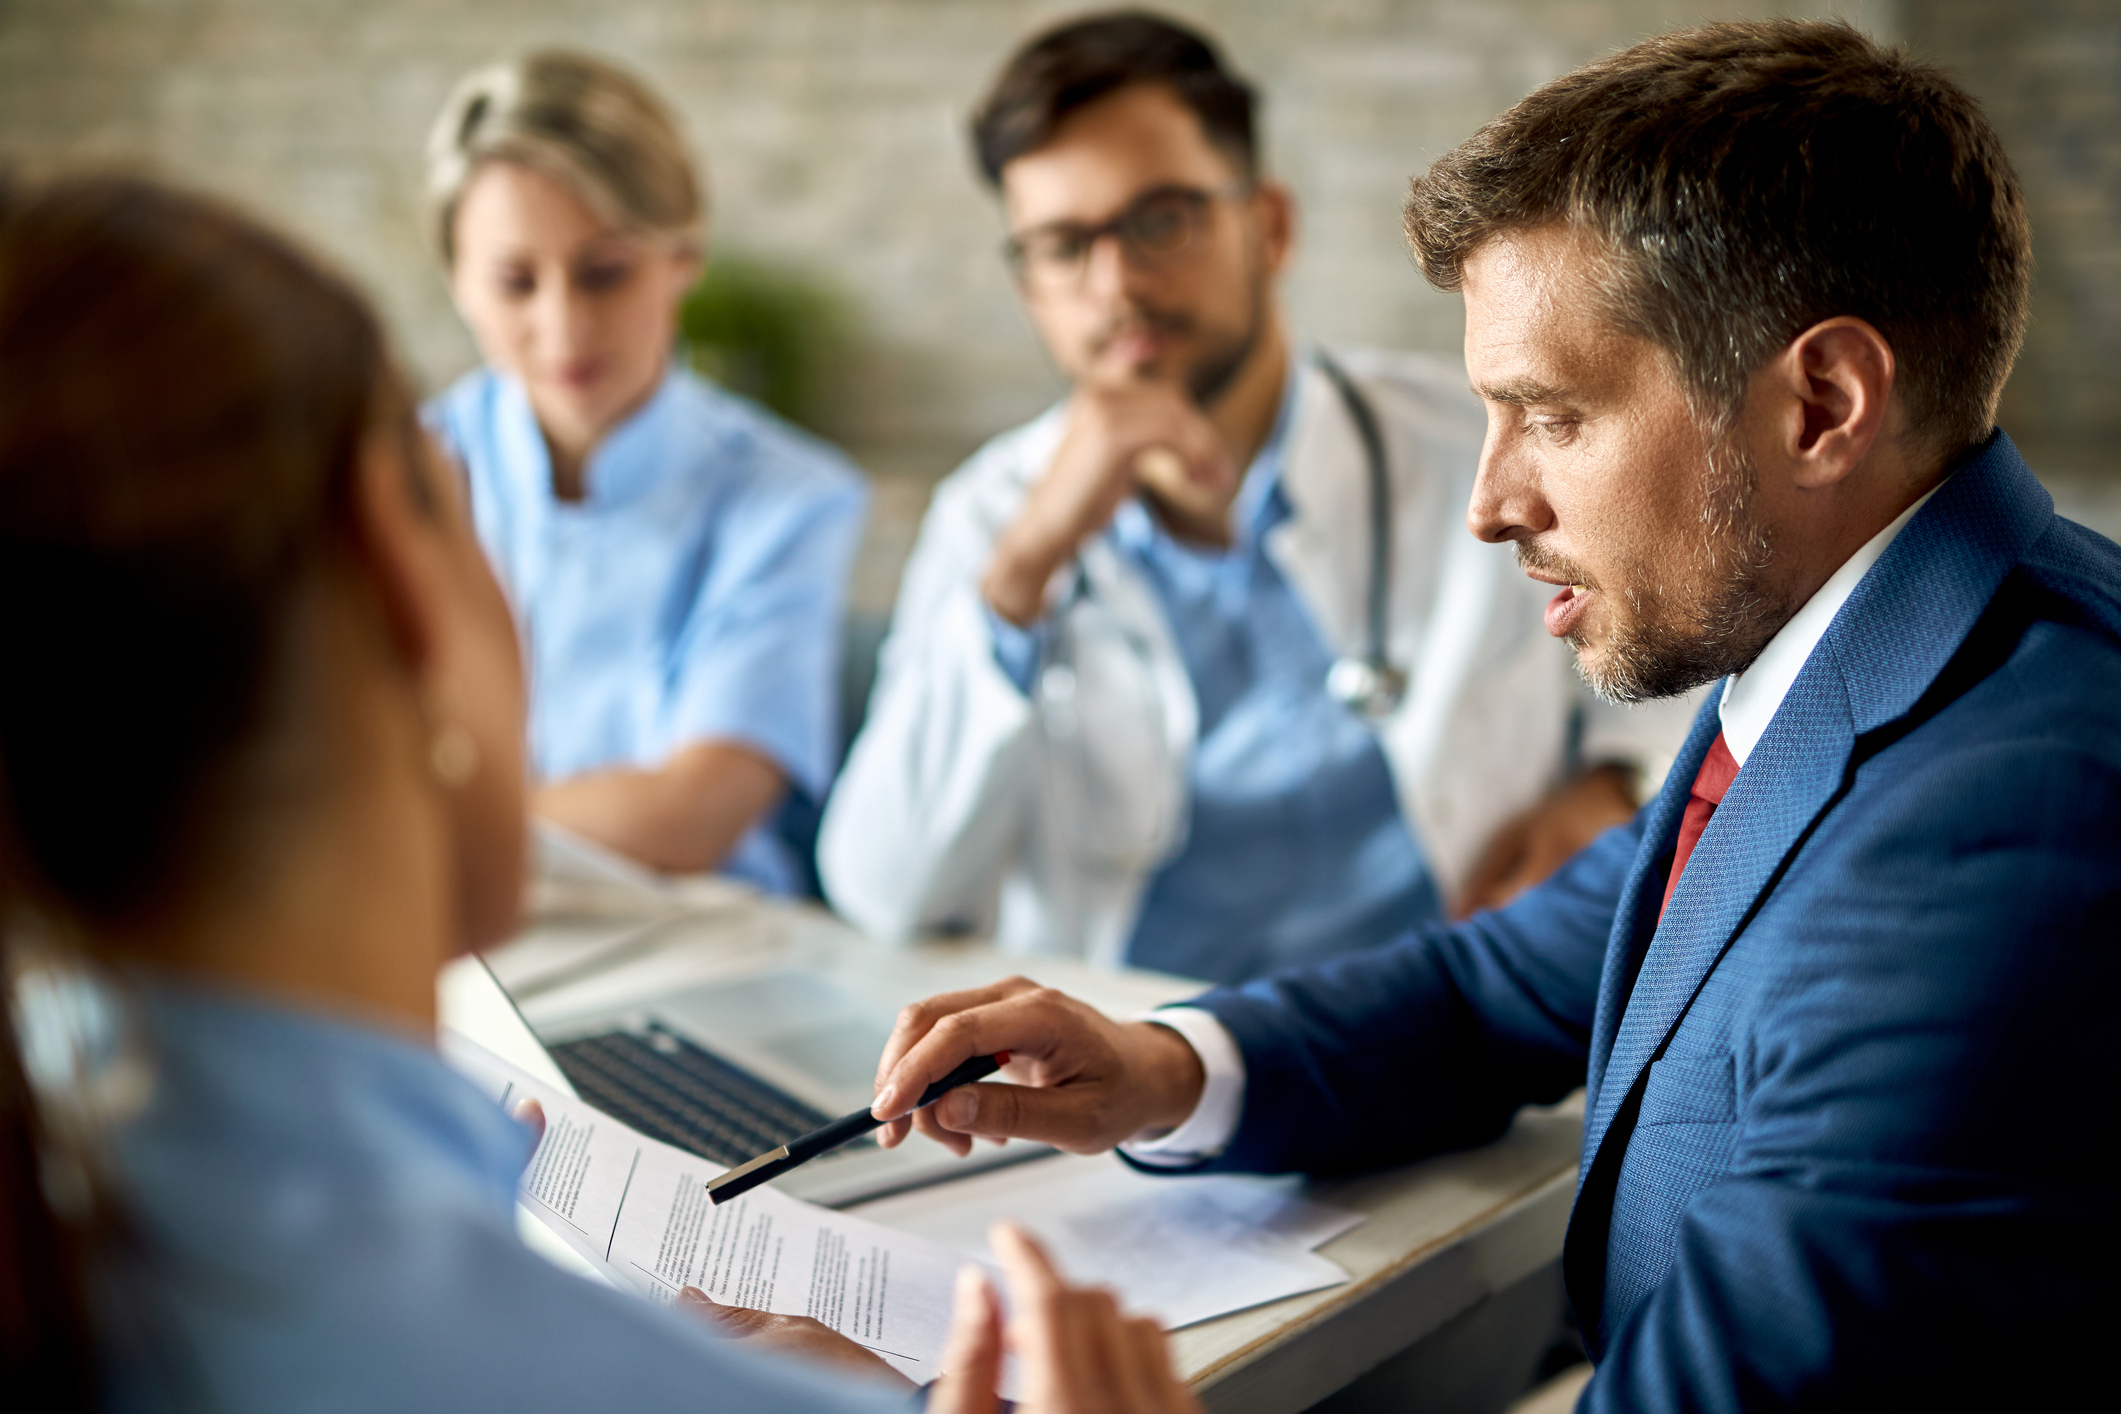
<point>668,1088</point>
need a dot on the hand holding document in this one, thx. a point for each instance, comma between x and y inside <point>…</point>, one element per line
<point>1182,1249</point>
<point>638,1211</point>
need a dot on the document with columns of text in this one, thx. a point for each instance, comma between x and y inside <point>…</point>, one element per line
<point>638,1210</point>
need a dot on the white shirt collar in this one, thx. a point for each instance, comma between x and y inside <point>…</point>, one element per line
<point>1750,698</point>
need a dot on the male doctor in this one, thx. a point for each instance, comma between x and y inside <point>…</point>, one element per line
<point>1196,671</point>
<point>1740,301</point>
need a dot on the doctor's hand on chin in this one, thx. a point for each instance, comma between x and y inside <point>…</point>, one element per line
<point>1079,1353</point>
<point>1124,435</point>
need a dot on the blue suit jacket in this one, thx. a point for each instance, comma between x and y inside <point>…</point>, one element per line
<point>1851,1103</point>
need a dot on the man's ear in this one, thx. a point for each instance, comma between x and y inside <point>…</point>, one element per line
<point>1835,384</point>
<point>1276,208</point>
<point>399,537</point>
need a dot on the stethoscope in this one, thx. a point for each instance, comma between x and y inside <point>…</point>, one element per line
<point>1370,684</point>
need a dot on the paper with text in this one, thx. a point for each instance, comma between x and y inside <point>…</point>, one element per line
<point>638,1209</point>
<point>1180,1248</point>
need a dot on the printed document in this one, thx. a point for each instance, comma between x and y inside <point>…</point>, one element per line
<point>1179,1248</point>
<point>637,1209</point>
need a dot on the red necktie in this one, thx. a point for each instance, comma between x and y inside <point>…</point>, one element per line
<point>1718,769</point>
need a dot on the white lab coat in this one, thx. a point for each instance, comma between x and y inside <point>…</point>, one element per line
<point>966,805</point>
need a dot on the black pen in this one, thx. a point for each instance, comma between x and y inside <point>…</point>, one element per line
<point>775,1162</point>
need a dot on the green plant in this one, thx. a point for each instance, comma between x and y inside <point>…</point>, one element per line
<point>769,332</point>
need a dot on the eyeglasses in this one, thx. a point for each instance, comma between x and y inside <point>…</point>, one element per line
<point>1156,225</point>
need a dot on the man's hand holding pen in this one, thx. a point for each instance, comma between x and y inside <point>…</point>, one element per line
<point>1076,1079</point>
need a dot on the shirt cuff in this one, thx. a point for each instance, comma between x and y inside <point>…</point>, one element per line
<point>1017,651</point>
<point>1213,1123</point>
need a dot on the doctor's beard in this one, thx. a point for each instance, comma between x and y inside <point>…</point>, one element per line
<point>1209,374</point>
<point>1712,622</point>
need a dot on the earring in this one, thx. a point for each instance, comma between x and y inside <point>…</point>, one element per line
<point>453,756</point>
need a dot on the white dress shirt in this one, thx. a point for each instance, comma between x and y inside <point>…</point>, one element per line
<point>1750,700</point>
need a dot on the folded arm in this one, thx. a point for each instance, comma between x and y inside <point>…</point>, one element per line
<point>1428,1044</point>
<point>1626,750</point>
<point>1543,837</point>
<point>682,817</point>
<point>748,700</point>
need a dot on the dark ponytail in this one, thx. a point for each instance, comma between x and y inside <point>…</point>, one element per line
<point>183,398</point>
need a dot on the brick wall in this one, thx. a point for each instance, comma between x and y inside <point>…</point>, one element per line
<point>2049,72</point>
<point>832,135</point>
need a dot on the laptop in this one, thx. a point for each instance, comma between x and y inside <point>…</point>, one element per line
<point>726,1068</point>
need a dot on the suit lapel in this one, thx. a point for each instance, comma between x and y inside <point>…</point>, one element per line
<point>1788,780</point>
<point>1636,917</point>
<point>1941,571</point>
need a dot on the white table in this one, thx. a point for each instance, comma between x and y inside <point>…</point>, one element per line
<point>1440,1236</point>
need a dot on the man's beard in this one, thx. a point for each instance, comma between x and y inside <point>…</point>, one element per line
<point>1216,367</point>
<point>1673,643</point>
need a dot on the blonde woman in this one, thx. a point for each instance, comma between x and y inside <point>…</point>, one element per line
<point>677,556</point>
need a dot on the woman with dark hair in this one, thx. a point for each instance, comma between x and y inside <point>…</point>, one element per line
<point>261,775</point>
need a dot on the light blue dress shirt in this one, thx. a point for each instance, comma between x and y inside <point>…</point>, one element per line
<point>1297,847</point>
<point>694,593</point>
<point>324,1219</point>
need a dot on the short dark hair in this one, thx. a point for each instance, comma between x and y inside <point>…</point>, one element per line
<point>1074,64</point>
<point>1750,179</point>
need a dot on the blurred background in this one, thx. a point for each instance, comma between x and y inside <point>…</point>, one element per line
<point>856,282</point>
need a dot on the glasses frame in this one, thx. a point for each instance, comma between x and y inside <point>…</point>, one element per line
<point>1016,253</point>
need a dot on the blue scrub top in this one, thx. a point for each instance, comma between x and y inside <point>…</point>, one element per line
<point>693,594</point>
<point>320,1217</point>
<point>1297,849</point>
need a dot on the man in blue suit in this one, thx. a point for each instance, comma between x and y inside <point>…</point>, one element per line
<point>1741,301</point>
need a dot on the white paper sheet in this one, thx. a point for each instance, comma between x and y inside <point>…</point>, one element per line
<point>1270,1205</point>
<point>572,877</point>
<point>638,1210</point>
<point>1182,1249</point>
